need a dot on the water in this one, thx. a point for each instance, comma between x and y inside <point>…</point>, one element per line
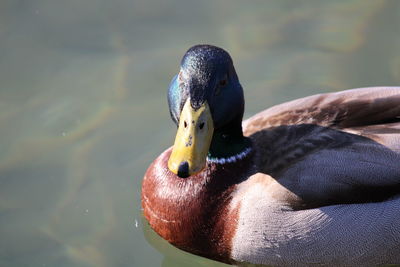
<point>83,105</point>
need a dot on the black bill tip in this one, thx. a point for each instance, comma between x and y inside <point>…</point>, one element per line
<point>183,170</point>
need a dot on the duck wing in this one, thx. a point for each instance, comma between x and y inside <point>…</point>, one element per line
<point>332,148</point>
<point>368,111</point>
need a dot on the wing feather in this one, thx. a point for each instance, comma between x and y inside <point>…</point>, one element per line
<point>333,148</point>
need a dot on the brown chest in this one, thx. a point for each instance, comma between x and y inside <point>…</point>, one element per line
<point>193,214</point>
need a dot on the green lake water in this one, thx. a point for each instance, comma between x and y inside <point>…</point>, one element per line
<point>83,107</point>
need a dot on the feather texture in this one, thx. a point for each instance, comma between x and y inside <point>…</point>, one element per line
<point>326,182</point>
<point>320,185</point>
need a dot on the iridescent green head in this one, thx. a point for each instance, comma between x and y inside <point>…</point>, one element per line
<point>206,102</point>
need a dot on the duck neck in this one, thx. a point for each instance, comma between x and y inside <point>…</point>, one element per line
<point>228,143</point>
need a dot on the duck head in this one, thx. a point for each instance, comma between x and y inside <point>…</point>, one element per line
<point>206,102</point>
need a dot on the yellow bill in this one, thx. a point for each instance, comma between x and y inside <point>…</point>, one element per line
<point>192,140</point>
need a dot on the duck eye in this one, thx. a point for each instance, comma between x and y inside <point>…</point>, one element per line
<point>222,82</point>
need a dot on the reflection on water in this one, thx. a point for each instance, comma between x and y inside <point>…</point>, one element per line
<point>83,109</point>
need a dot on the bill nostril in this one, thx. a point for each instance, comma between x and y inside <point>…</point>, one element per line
<point>183,169</point>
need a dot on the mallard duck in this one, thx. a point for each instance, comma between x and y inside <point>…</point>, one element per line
<point>312,181</point>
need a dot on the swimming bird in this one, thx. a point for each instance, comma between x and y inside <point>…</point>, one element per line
<point>311,181</point>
